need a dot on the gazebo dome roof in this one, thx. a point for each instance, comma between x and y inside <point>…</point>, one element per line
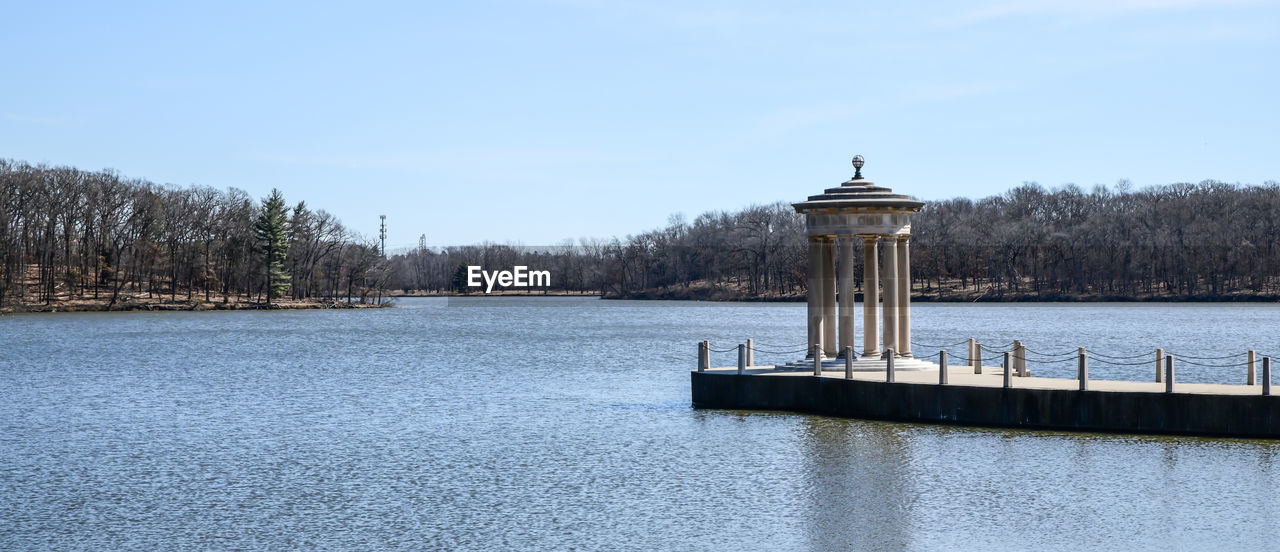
<point>860,194</point>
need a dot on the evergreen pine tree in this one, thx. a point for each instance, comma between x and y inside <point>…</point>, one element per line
<point>460,279</point>
<point>272,233</point>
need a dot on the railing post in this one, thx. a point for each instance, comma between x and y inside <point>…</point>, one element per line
<point>742,359</point>
<point>942,367</point>
<point>1251,377</point>
<point>1168,373</point>
<point>888,366</point>
<point>848,362</point>
<point>1018,358</point>
<point>817,359</point>
<point>1022,360</point>
<point>1082,369</point>
<point>1266,375</point>
<point>975,355</point>
<point>1159,365</point>
<point>751,352</point>
<point>702,356</point>
<point>1008,367</point>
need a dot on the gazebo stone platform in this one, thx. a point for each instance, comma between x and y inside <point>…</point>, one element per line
<point>878,365</point>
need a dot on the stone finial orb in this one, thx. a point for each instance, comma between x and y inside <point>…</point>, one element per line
<point>858,162</point>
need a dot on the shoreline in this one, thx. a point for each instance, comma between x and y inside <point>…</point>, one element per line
<point>929,298</point>
<point>498,293</point>
<point>152,305</point>
<point>858,298</point>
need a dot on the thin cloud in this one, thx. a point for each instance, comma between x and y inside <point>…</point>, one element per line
<point>1086,8</point>
<point>731,18</point>
<point>945,92</point>
<point>794,118</point>
<point>459,159</point>
<point>789,119</point>
<point>1243,31</point>
<point>47,121</point>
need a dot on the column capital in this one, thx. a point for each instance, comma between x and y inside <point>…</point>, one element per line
<point>903,237</point>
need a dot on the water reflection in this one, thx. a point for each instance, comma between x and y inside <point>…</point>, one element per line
<point>884,486</point>
<point>859,496</point>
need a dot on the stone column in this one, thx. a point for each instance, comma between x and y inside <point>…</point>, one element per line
<point>904,296</point>
<point>845,283</point>
<point>870,298</point>
<point>814,296</point>
<point>829,346</point>
<point>890,329</point>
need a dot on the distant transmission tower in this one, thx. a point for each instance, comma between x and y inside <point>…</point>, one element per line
<point>383,235</point>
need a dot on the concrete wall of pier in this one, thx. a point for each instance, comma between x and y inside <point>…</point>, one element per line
<point>1101,411</point>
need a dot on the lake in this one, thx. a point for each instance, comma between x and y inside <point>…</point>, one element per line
<point>558,424</point>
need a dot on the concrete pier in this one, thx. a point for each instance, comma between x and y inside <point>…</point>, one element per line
<point>982,400</point>
<point>887,382</point>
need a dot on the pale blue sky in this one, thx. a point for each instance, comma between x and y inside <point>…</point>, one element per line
<point>533,122</point>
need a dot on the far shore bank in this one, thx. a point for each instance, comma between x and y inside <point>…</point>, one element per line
<point>388,300</point>
<point>1007,299</point>
<point>948,292</point>
<point>495,293</point>
<point>732,297</point>
<point>166,304</point>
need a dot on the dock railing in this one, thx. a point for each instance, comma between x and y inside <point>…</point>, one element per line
<point>1013,356</point>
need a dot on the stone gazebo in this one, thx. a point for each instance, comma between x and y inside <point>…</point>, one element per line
<point>881,219</point>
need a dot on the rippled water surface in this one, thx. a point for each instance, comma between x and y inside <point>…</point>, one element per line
<point>556,424</point>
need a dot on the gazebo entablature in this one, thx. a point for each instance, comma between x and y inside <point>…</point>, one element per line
<point>857,222</point>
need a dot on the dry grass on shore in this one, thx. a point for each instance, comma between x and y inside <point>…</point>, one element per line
<point>62,302</point>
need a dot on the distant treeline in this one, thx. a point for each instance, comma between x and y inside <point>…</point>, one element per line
<point>751,253</point>
<point>69,234</point>
<point>1181,241</point>
<point>1209,240</point>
